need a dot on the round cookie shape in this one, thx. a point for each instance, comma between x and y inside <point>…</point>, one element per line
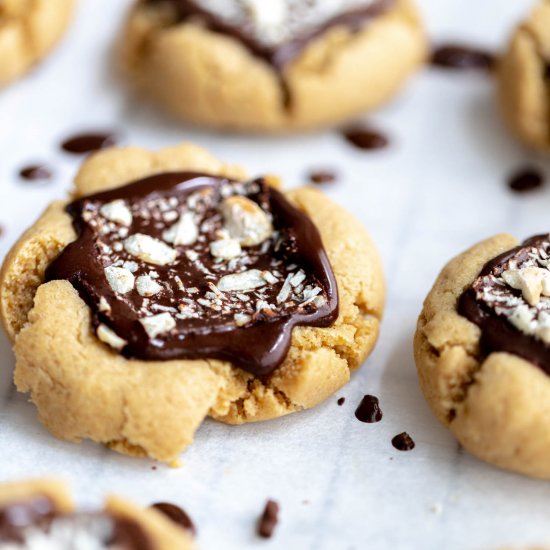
<point>481,351</point>
<point>29,29</point>
<point>85,389</point>
<point>524,80</point>
<point>285,65</point>
<point>40,513</point>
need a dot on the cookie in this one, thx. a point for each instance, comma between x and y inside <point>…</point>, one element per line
<point>226,298</point>
<point>40,514</point>
<point>29,29</point>
<point>283,65</point>
<point>524,80</point>
<point>482,349</point>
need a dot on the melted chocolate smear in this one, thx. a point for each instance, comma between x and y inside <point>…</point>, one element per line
<point>525,180</point>
<point>82,144</point>
<point>460,57</point>
<point>341,401</point>
<point>261,345</point>
<point>177,515</point>
<point>497,334</point>
<point>369,410</point>
<point>268,520</point>
<point>36,172</point>
<point>403,442</point>
<point>322,176</point>
<point>366,138</point>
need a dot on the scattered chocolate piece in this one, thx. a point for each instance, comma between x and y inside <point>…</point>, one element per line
<point>36,172</point>
<point>525,180</point>
<point>81,144</point>
<point>269,519</point>
<point>177,515</point>
<point>461,57</point>
<point>364,137</point>
<point>369,410</point>
<point>322,176</point>
<point>341,401</point>
<point>403,442</point>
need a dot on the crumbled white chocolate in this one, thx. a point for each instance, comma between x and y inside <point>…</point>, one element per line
<point>185,232</point>
<point>284,293</point>
<point>247,280</point>
<point>226,249</point>
<point>110,337</point>
<point>532,281</point>
<point>245,221</point>
<point>149,249</point>
<point>103,305</point>
<point>117,211</point>
<point>147,286</point>
<point>158,324</point>
<point>242,319</point>
<point>121,280</point>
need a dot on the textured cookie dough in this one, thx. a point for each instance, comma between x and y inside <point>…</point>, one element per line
<point>497,407</point>
<point>28,31</point>
<point>524,79</point>
<point>211,79</point>
<point>82,389</point>
<point>162,532</point>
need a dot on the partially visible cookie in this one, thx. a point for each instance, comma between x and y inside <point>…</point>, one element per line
<point>40,514</point>
<point>28,31</point>
<point>482,349</point>
<point>277,299</point>
<point>282,65</point>
<point>524,79</point>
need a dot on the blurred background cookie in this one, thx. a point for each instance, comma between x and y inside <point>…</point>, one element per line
<point>524,79</point>
<point>281,65</point>
<point>28,31</point>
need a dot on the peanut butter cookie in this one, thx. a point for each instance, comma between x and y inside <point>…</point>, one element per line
<point>140,308</point>
<point>482,349</point>
<point>282,65</point>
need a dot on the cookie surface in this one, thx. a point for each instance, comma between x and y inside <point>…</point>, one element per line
<point>154,407</point>
<point>203,70</point>
<point>51,520</point>
<point>478,378</point>
<point>28,31</point>
<point>524,85</point>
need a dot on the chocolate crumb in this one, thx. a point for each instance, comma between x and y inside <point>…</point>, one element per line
<point>525,180</point>
<point>268,520</point>
<point>341,401</point>
<point>322,176</point>
<point>369,410</point>
<point>177,515</point>
<point>461,57</point>
<point>403,442</point>
<point>364,137</point>
<point>36,172</point>
<point>81,144</point>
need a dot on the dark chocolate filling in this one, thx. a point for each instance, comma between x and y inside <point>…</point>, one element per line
<point>497,333</point>
<point>209,330</point>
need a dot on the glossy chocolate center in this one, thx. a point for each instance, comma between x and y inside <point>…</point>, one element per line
<point>188,265</point>
<point>510,302</point>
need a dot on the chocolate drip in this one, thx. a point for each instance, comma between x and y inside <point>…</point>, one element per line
<point>269,520</point>
<point>36,172</point>
<point>460,57</point>
<point>369,410</point>
<point>364,137</point>
<point>497,334</point>
<point>81,144</point>
<point>403,442</point>
<point>261,345</point>
<point>177,515</point>
<point>525,180</point>
<point>322,176</point>
<point>341,401</point>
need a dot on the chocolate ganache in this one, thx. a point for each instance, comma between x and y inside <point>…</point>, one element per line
<point>276,30</point>
<point>189,265</point>
<point>35,524</point>
<point>510,302</point>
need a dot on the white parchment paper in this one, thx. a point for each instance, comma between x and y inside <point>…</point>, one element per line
<point>438,189</point>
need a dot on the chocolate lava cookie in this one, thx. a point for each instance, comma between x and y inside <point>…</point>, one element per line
<point>28,31</point>
<point>173,287</point>
<point>274,65</point>
<point>525,79</point>
<point>40,514</point>
<point>482,349</point>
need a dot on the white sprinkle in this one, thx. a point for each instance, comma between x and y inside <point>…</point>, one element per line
<point>109,337</point>
<point>242,319</point>
<point>130,266</point>
<point>298,278</point>
<point>247,280</point>
<point>226,249</point>
<point>147,286</point>
<point>149,249</point>
<point>158,324</point>
<point>120,280</point>
<point>103,305</point>
<point>269,277</point>
<point>117,211</point>
<point>284,293</point>
<point>184,232</point>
